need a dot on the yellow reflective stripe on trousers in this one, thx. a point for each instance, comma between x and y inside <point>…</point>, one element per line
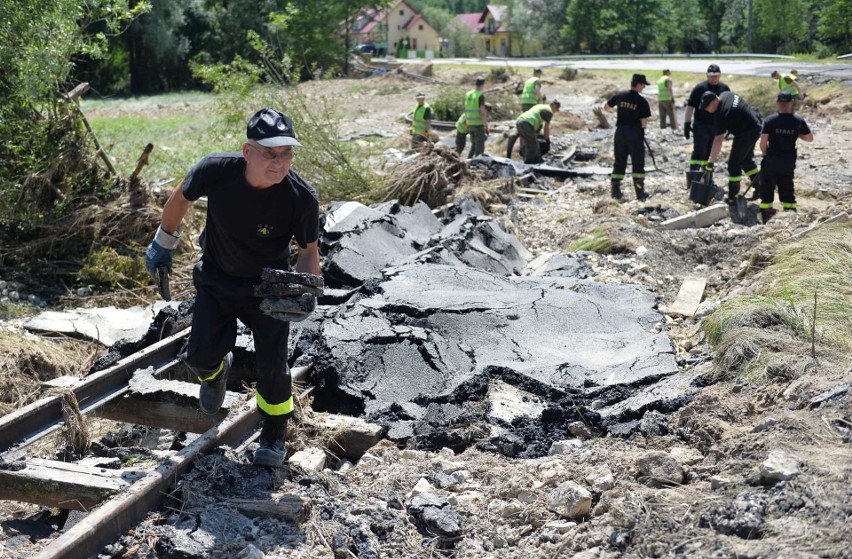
<point>735,179</point>
<point>214,374</point>
<point>274,409</point>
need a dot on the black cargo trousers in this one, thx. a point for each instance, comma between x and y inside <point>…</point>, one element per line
<point>220,301</point>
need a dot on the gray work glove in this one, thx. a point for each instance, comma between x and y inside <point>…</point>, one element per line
<point>288,296</point>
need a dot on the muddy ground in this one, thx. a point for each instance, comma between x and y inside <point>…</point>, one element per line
<point>746,469</point>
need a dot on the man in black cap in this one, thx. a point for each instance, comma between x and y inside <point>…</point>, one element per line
<point>702,127</point>
<point>778,144</point>
<point>732,114</point>
<point>255,205</point>
<point>632,117</point>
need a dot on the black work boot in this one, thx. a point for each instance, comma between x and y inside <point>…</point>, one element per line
<point>213,384</point>
<point>641,193</point>
<point>615,189</point>
<point>733,192</point>
<point>271,450</point>
<point>766,214</point>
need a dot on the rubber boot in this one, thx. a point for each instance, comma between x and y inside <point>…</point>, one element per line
<point>641,193</point>
<point>211,394</point>
<point>271,451</point>
<point>615,189</point>
<point>766,214</point>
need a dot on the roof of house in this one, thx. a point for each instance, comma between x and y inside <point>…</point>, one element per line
<point>470,20</point>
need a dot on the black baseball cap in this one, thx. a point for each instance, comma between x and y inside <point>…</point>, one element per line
<point>706,99</point>
<point>784,97</point>
<point>480,81</point>
<point>713,70</point>
<point>271,128</point>
<point>639,78</point>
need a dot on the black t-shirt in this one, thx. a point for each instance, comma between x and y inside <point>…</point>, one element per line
<point>784,129</point>
<point>695,99</point>
<point>734,115</point>
<point>632,107</point>
<point>248,228</point>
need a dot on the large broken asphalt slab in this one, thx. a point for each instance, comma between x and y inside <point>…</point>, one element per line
<point>426,329</point>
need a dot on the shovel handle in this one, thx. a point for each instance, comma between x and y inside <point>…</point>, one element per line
<point>163,283</point>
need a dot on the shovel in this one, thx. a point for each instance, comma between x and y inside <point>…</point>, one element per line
<point>163,283</point>
<point>739,210</point>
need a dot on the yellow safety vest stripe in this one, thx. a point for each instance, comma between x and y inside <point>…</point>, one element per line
<point>788,87</point>
<point>461,125</point>
<point>283,408</point>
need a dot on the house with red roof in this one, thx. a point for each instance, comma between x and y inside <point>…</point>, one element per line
<point>492,35</point>
<point>403,30</point>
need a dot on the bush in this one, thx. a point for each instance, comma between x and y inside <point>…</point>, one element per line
<point>108,268</point>
<point>449,104</point>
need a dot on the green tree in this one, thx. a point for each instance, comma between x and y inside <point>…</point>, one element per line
<point>40,141</point>
<point>539,23</point>
<point>782,25</point>
<point>835,25</point>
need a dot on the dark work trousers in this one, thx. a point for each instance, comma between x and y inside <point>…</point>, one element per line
<point>629,140</point>
<point>477,139</point>
<point>220,301</point>
<point>667,112</point>
<point>702,142</point>
<point>418,141</point>
<point>741,159</point>
<point>461,141</point>
<point>530,142</point>
<point>777,172</point>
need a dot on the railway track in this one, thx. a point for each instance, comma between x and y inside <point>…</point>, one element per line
<point>138,389</point>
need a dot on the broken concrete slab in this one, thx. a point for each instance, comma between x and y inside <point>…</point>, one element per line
<point>559,264</point>
<point>689,296</point>
<point>507,402</point>
<point>700,218</point>
<point>351,437</point>
<point>502,167</point>
<point>105,325</point>
<point>426,330</point>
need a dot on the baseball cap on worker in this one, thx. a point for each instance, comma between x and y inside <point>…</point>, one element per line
<point>784,97</point>
<point>706,99</point>
<point>420,95</point>
<point>271,128</point>
<point>639,78</point>
<point>713,70</point>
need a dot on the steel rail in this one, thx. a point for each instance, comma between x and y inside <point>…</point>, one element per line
<point>106,523</point>
<point>34,421</point>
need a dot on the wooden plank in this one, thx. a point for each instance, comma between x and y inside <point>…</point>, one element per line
<point>689,296</point>
<point>62,484</point>
<point>163,414</point>
<point>292,508</point>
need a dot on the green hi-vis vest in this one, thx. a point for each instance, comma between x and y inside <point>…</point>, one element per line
<point>418,123</point>
<point>533,116</point>
<point>471,108</point>
<point>528,97</point>
<point>788,87</point>
<point>662,90</point>
<point>461,124</point>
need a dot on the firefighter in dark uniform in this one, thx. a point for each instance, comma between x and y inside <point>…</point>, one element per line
<point>702,127</point>
<point>778,144</point>
<point>633,111</point>
<point>732,114</point>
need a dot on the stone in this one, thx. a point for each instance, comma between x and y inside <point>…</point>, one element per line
<point>601,480</point>
<point>309,459</point>
<point>560,526</point>
<point>570,500</point>
<point>420,488</point>
<point>435,514</point>
<point>660,468</point>
<point>700,218</point>
<point>779,466</point>
<point>564,446</point>
<point>508,403</point>
<point>686,456</point>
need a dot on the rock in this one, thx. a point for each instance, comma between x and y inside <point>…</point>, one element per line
<point>686,456</point>
<point>508,403</point>
<point>570,500</point>
<point>435,514</point>
<point>779,466</point>
<point>251,552</point>
<point>705,309</point>
<point>564,447</point>
<point>660,468</point>
<point>351,436</point>
<point>654,424</point>
<point>506,509</point>
<point>719,482</point>
<point>309,460</point>
<point>422,487</point>
<point>580,430</point>
<point>601,480</point>
<point>560,526</point>
<point>765,424</point>
<point>552,471</point>
<point>14,296</point>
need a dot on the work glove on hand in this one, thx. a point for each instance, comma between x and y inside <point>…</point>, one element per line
<point>687,129</point>
<point>288,296</point>
<point>159,252</point>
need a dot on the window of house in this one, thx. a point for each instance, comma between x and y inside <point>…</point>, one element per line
<point>420,27</point>
<point>402,12</point>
